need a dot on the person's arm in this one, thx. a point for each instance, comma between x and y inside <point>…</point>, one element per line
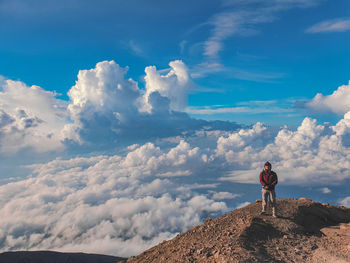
<point>275,179</point>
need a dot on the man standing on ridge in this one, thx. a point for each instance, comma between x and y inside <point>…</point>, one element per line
<point>268,180</point>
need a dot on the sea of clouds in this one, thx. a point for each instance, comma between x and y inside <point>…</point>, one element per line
<point>168,173</point>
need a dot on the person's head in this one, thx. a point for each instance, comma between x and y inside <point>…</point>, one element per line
<point>267,166</point>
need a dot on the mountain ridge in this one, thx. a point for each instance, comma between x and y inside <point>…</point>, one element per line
<point>305,231</point>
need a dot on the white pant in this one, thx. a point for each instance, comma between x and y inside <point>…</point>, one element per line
<point>265,194</point>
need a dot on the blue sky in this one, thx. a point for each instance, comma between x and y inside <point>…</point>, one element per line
<point>266,50</point>
<point>123,123</point>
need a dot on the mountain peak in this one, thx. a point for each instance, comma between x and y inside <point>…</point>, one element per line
<point>305,231</point>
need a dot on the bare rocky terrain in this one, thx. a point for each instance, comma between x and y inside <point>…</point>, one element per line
<point>305,231</point>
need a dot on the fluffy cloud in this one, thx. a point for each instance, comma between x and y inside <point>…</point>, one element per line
<point>133,201</point>
<point>101,101</point>
<point>30,117</point>
<point>313,154</point>
<point>345,201</point>
<point>338,102</point>
<point>175,85</point>
<point>326,190</point>
<point>113,200</point>
<point>108,110</point>
<point>223,195</point>
<point>105,110</point>
<point>237,141</point>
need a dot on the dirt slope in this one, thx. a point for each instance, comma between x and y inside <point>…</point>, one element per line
<point>305,231</point>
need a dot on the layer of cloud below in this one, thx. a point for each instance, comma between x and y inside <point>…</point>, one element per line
<point>103,204</point>
<point>123,204</point>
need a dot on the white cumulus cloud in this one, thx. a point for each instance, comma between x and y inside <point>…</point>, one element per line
<point>223,195</point>
<point>338,102</point>
<point>175,85</point>
<point>304,156</point>
<point>105,109</point>
<point>345,201</point>
<point>100,101</point>
<point>30,117</point>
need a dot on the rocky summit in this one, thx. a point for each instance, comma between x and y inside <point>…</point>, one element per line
<point>305,231</point>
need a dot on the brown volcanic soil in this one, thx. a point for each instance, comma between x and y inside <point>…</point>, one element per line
<point>305,231</point>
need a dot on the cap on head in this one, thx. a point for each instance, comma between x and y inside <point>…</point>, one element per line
<point>268,164</point>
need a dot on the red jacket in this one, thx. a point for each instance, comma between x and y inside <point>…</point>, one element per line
<point>268,179</point>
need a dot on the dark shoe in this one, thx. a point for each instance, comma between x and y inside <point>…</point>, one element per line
<point>262,213</point>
